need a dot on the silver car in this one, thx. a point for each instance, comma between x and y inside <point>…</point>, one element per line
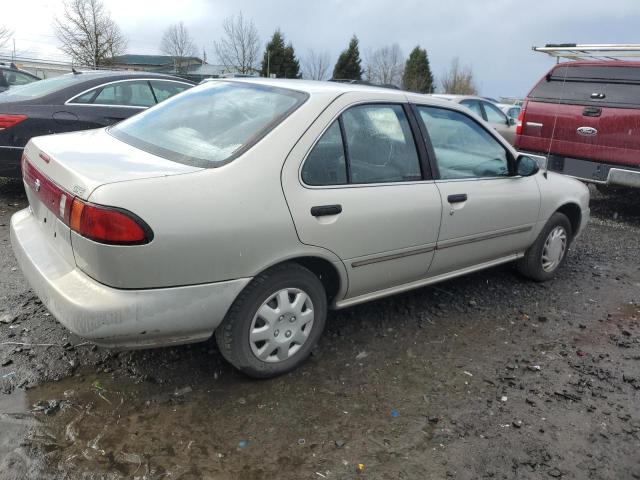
<point>249,207</point>
<point>489,111</point>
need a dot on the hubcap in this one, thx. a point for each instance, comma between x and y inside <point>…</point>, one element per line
<point>554,249</point>
<point>281,325</point>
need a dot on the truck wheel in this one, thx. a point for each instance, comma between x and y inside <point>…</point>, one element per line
<point>548,252</point>
<point>275,322</point>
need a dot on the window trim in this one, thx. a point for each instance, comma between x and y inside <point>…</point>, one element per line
<point>99,88</point>
<point>511,161</point>
<point>421,150</point>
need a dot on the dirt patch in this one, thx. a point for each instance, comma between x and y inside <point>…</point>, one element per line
<point>486,376</point>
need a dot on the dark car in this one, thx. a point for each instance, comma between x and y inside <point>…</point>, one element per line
<point>585,116</point>
<point>77,101</point>
<point>10,76</point>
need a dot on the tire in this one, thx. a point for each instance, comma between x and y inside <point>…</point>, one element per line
<point>274,307</point>
<point>533,264</point>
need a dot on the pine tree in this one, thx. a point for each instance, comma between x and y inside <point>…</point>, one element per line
<point>280,59</point>
<point>348,65</point>
<point>417,75</point>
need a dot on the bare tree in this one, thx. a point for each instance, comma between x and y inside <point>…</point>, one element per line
<point>177,43</point>
<point>88,34</point>
<point>315,66</point>
<point>385,65</point>
<point>238,48</point>
<point>459,80</point>
<point>5,34</point>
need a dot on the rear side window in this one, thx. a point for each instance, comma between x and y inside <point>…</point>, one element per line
<point>377,142</point>
<point>326,163</point>
<point>614,86</point>
<point>210,124</point>
<point>474,106</point>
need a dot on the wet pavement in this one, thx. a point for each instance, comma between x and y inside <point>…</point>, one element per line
<point>486,376</point>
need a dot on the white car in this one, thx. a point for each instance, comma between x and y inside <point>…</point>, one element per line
<point>248,207</point>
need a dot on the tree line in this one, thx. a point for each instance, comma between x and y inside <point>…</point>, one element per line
<point>88,34</point>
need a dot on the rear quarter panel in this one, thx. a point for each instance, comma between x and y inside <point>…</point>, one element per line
<point>217,224</point>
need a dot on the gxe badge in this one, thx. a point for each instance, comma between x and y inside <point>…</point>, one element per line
<point>587,131</point>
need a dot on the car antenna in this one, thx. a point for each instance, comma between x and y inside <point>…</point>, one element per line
<point>75,72</point>
<point>13,65</point>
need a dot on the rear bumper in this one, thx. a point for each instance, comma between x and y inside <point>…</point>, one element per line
<point>595,172</point>
<point>112,317</point>
<point>10,161</point>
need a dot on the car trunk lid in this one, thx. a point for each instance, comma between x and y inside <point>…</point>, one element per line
<point>80,162</point>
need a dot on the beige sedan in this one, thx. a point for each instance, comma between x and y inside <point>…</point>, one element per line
<point>488,111</point>
<point>246,208</point>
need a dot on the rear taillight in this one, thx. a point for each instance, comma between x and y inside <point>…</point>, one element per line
<point>107,224</point>
<point>8,121</point>
<point>99,223</point>
<point>520,121</point>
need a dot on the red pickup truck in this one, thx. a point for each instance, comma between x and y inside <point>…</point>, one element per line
<point>584,116</point>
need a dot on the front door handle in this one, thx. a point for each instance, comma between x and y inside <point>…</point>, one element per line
<point>324,210</point>
<point>457,198</point>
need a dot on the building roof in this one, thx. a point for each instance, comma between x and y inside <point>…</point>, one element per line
<point>150,60</point>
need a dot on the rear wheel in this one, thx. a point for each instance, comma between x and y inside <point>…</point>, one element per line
<point>547,254</point>
<point>275,322</point>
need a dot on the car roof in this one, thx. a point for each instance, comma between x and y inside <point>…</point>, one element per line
<point>312,86</point>
<point>315,87</point>
<point>598,63</point>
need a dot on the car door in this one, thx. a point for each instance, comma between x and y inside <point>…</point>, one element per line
<point>499,121</point>
<point>357,184</point>
<point>488,212</point>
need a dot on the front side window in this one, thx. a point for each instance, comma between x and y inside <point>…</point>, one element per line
<point>463,148</point>
<point>164,89</point>
<point>494,115</point>
<point>209,124</point>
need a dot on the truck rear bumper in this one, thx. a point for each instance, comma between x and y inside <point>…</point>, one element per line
<point>595,172</point>
<point>113,317</point>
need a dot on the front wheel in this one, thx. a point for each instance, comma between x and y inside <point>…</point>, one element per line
<point>275,322</point>
<point>548,252</point>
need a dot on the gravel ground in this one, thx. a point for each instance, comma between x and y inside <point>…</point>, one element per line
<point>486,376</point>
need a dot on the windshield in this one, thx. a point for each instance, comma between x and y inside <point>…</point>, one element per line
<point>209,125</point>
<point>42,87</point>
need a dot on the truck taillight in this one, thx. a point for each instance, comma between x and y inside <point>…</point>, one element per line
<point>520,121</point>
<point>109,225</point>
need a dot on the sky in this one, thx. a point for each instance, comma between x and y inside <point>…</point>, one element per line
<point>493,37</point>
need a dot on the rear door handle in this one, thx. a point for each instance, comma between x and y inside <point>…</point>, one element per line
<point>592,112</point>
<point>457,198</point>
<point>324,210</point>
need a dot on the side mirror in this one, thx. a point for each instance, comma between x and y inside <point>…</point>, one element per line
<point>511,121</point>
<point>526,166</point>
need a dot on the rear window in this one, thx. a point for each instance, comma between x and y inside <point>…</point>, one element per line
<point>41,87</point>
<point>613,86</point>
<point>209,125</point>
